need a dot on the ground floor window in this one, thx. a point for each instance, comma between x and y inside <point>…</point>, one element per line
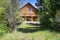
<point>29,18</point>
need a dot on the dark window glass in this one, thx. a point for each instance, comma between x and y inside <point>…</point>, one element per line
<point>30,9</point>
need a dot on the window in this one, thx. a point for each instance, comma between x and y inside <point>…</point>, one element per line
<point>30,9</point>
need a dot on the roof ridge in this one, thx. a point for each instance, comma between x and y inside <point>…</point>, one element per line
<point>26,4</point>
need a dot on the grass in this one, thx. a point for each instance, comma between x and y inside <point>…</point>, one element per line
<point>24,25</point>
<point>26,34</point>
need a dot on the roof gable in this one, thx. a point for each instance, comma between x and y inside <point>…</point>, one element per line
<point>28,4</point>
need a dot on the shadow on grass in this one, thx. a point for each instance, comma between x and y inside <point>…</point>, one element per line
<point>28,29</point>
<point>34,29</point>
<point>34,24</point>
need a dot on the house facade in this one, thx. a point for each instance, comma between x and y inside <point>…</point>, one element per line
<point>27,12</point>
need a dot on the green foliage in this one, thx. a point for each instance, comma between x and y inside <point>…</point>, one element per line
<point>57,4</point>
<point>18,17</point>
<point>3,29</point>
<point>3,19</point>
<point>35,34</point>
<point>2,2</point>
<point>8,9</point>
<point>2,15</point>
<point>47,15</point>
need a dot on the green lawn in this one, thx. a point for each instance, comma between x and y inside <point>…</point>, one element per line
<point>31,32</point>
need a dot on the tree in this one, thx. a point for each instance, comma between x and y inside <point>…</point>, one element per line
<point>3,21</point>
<point>11,7</point>
<point>57,4</point>
<point>47,14</point>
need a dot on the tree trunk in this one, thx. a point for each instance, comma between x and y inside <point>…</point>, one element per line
<point>11,19</point>
<point>11,10</point>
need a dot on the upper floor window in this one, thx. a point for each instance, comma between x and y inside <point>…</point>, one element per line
<point>30,9</point>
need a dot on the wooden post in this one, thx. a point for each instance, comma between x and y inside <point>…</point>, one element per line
<point>25,18</point>
<point>32,18</point>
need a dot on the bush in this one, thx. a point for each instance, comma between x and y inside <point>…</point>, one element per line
<point>18,18</point>
<point>3,29</point>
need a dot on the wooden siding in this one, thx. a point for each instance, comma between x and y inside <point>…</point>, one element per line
<point>25,10</point>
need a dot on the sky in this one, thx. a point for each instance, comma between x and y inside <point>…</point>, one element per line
<point>31,1</point>
<point>23,2</point>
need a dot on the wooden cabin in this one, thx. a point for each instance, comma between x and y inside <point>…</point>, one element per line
<point>27,12</point>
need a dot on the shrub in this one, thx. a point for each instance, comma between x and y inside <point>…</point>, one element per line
<point>3,29</point>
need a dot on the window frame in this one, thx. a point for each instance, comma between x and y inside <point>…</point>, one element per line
<point>30,9</point>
